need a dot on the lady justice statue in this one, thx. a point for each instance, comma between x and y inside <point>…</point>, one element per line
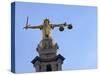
<point>46,28</point>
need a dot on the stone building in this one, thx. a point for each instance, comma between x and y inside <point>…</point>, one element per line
<point>48,60</point>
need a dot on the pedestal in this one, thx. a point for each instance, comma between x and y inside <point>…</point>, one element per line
<point>48,60</point>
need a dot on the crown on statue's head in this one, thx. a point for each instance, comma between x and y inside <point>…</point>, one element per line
<point>46,20</point>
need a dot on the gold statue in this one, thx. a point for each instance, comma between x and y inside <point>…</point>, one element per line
<point>46,27</point>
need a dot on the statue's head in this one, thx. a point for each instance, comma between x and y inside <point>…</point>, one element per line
<point>46,21</point>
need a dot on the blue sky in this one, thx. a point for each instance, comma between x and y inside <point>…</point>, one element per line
<point>78,46</point>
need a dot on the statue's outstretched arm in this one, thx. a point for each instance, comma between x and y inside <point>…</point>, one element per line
<point>33,27</point>
<point>69,26</point>
<point>28,26</point>
<point>59,25</point>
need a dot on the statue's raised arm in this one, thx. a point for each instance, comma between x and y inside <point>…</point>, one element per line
<point>28,26</point>
<point>33,27</point>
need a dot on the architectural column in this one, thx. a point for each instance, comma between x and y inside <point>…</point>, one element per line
<point>59,66</point>
<point>37,68</point>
